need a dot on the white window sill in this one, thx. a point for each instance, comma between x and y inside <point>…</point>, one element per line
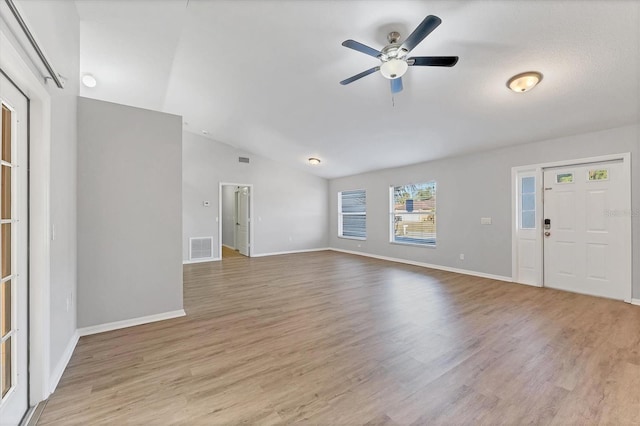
<point>433,246</point>
<point>353,238</point>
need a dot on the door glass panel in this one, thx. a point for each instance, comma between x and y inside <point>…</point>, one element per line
<point>6,366</point>
<point>5,193</point>
<point>5,249</point>
<point>6,134</point>
<point>5,304</point>
<point>564,178</point>
<point>599,174</point>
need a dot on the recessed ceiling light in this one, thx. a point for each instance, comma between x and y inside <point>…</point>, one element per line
<point>89,80</point>
<point>204,132</point>
<point>314,161</point>
<point>524,82</point>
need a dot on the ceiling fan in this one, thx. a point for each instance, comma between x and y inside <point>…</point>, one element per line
<point>394,55</point>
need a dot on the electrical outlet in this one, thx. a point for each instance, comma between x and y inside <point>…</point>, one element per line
<point>461,256</point>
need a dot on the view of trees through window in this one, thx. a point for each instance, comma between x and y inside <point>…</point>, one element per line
<point>413,215</point>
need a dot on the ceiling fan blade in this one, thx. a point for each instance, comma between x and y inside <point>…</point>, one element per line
<point>429,24</point>
<point>433,61</point>
<point>359,76</point>
<point>396,85</point>
<point>352,44</point>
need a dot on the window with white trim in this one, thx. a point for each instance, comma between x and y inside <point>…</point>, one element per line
<point>352,214</point>
<point>413,214</point>
<point>527,204</point>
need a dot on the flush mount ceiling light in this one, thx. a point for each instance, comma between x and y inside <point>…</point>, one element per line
<point>524,82</point>
<point>89,80</point>
<point>314,161</point>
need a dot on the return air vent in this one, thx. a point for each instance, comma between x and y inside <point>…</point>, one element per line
<point>200,248</point>
<point>243,159</point>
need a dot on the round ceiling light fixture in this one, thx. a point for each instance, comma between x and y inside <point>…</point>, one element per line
<point>89,80</point>
<point>314,161</point>
<point>394,68</point>
<point>525,81</point>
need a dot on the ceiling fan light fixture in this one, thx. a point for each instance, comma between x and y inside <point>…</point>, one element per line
<point>524,82</point>
<point>394,68</point>
<point>314,161</point>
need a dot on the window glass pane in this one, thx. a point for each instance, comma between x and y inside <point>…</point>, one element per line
<point>528,220</point>
<point>5,248</point>
<point>6,134</point>
<point>354,201</point>
<point>5,357</point>
<point>528,201</point>
<point>354,226</point>
<point>5,193</point>
<point>414,214</point>
<point>599,174</point>
<point>528,185</point>
<point>5,304</point>
<point>353,213</point>
<point>564,178</point>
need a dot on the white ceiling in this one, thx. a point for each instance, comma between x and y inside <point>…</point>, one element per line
<point>263,75</point>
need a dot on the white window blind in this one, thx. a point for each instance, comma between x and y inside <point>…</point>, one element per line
<point>352,214</point>
<point>413,214</point>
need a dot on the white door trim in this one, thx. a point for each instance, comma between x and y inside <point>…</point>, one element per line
<point>219,218</point>
<point>11,61</point>
<point>538,169</point>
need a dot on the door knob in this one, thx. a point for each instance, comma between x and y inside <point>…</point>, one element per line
<point>547,234</point>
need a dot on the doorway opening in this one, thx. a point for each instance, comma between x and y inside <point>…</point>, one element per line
<point>235,225</point>
<point>572,226</point>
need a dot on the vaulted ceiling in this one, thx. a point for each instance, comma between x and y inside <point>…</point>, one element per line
<point>263,75</point>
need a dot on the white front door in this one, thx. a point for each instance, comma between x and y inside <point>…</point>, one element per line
<point>586,226</point>
<point>243,221</point>
<point>13,256</point>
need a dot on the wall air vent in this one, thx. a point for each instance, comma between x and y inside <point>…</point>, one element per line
<point>243,159</point>
<point>200,248</point>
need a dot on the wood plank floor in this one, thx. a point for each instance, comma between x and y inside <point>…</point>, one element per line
<point>228,252</point>
<point>331,338</point>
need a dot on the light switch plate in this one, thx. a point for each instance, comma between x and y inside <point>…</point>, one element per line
<point>485,221</point>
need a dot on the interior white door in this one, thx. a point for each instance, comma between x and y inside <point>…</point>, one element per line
<point>243,222</point>
<point>584,243</point>
<point>14,335</point>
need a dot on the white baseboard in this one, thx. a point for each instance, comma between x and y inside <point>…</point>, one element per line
<point>208,259</point>
<point>428,265</point>
<point>635,302</point>
<point>277,253</point>
<point>95,329</point>
<point>56,375</point>
<point>228,246</point>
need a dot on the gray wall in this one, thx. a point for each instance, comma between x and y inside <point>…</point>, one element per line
<point>228,215</point>
<point>475,186</point>
<point>62,45</point>
<point>290,206</point>
<point>129,212</point>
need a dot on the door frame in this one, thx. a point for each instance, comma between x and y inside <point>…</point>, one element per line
<point>219,218</point>
<point>537,170</point>
<point>39,140</point>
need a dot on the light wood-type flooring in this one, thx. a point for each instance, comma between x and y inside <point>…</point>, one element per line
<point>228,252</point>
<point>331,338</point>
